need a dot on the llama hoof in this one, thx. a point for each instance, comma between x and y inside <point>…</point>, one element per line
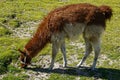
<point>93,69</point>
<point>51,67</point>
<point>78,66</point>
<point>64,66</point>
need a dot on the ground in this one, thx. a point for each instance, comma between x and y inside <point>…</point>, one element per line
<point>18,22</point>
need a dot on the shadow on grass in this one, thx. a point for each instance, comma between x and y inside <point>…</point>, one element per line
<point>103,73</point>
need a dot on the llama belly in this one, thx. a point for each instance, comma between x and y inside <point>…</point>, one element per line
<point>72,31</point>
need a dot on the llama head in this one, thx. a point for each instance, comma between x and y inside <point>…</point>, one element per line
<point>25,59</point>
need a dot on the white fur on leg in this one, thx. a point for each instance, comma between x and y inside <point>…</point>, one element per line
<point>51,65</point>
<point>83,59</point>
<point>88,50</point>
<point>63,50</point>
<point>96,47</point>
<point>55,48</point>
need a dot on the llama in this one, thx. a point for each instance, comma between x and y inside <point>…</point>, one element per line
<point>69,22</point>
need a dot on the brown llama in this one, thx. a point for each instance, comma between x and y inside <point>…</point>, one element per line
<point>68,22</point>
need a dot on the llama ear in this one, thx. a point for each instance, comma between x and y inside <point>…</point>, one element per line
<point>22,52</point>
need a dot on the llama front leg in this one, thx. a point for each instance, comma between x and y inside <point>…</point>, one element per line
<point>63,50</point>
<point>55,48</point>
<point>88,50</point>
<point>96,47</point>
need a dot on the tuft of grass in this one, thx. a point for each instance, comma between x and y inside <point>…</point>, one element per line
<point>4,31</point>
<point>12,69</point>
<point>15,77</point>
<point>14,23</point>
<point>8,52</point>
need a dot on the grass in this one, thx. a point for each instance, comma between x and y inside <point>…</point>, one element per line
<point>8,51</point>
<point>15,77</point>
<point>14,13</point>
<point>4,31</point>
<point>61,77</point>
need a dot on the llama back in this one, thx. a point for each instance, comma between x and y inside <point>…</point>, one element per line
<point>78,13</point>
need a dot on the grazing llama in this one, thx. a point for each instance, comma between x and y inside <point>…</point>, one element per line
<point>68,22</point>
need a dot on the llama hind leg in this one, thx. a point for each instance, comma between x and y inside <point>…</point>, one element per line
<point>63,50</point>
<point>96,46</point>
<point>88,50</point>
<point>55,48</point>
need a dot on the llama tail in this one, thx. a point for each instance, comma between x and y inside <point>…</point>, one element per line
<point>107,11</point>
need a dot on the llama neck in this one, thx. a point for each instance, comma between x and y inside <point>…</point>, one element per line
<point>38,42</point>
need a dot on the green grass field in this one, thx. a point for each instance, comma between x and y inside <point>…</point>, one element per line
<point>19,16</point>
